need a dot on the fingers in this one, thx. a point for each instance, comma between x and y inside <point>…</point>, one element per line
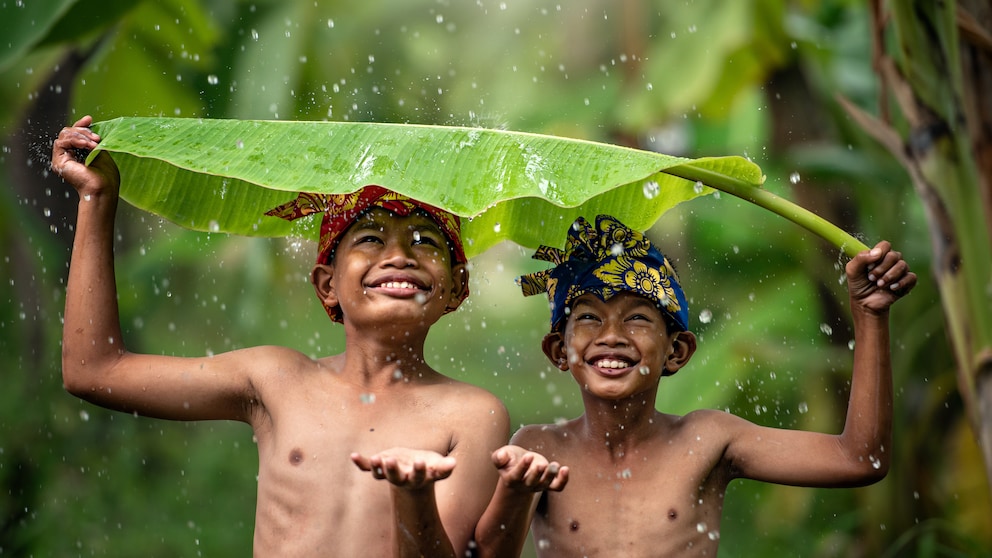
<point>71,141</point>
<point>886,268</point>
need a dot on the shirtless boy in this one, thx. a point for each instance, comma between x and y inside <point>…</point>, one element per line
<point>645,483</point>
<point>389,267</point>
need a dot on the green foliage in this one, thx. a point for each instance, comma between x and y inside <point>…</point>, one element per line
<point>695,79</point>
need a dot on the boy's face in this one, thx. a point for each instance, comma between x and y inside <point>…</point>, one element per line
<point>618,348</point>
<point>392,268</point>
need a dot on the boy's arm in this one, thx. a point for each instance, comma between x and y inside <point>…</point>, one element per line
<point>524,476</point>
<point>438,519</point>
<point>861,453</point>
<point>95,364</point>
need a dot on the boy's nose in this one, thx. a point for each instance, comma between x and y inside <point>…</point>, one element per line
<point>612,333</point>
<point>398,254</point>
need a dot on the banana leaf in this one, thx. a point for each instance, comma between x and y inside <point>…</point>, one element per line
<point>223,175</point>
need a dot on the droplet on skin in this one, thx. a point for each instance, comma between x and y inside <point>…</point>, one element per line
<point>367,398</point>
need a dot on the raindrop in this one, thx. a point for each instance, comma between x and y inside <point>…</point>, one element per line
<point>421,298</point>
<point>850,344</point>
<point>212,79</point>
<point>254,35</point>
<point>496,228</point>
<point>616,249</point>
<point>698,188</point>
<point>803,408</point>
<point>367,398</point>
<point>214,226</point>
<point>625,474</point>
<point>651,189</point>
<point>701,527</point>
<point>84,415</point>
<point>825,328</point>
<point>794,178</point>
<point>644,370</point>
<point>87,197</point>
<point>239,144</point>
<point>705,316</point>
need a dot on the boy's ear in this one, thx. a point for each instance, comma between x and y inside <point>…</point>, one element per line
<point>459,282</point>
<point>320,277</point>
<point>683,347</point>
<point>554,348</point>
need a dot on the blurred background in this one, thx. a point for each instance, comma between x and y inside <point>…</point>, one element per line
<point>815,92</point>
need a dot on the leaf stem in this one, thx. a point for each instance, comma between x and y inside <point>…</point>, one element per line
<point>810,221</point>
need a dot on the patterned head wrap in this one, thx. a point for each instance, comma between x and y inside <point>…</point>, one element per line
<point>341,210</point>
<point>604,261</point>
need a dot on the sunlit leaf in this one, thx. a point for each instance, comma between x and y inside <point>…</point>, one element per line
<point>223,175</point>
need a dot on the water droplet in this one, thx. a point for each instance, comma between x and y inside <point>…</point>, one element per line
<point>625,474</point>
<point>616,249</point>
<point>496,228</point>
<point>651,189</point>
<point>794,178</point>
<point>803,408</point>
<point>214,226</point>
<point>825,328</point>
<point>367,398</point>
<point>850,344</point>
<point>213,80</point>
<point>84,415</point>
<point>701,527</point>
<point>706,316</point>
<point>421,298</point>
<point>644,370</point>
<point>698,188</point>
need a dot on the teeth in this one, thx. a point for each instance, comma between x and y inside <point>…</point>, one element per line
<point>617,364</point>
<point>398,285</point>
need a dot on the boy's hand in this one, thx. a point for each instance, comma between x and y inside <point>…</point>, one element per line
<point>407,468</point>
<point>878,277</point>
<point>528,471</point>
<point>102,174</point>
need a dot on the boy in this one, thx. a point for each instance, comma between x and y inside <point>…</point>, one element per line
<point>388,268</point>
<point>645,483</point>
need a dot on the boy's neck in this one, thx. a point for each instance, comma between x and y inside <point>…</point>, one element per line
<point>385,359</point>
<point>618,426</point>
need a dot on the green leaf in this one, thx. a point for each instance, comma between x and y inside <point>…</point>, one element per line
<point>223,175</point>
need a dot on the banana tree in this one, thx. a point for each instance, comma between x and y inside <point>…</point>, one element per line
<point>937,71</point>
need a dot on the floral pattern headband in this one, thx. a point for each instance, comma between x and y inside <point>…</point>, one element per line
<point>605,260</point>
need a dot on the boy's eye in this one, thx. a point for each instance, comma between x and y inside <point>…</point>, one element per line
<point>367,238</point>
<point>585,316</point>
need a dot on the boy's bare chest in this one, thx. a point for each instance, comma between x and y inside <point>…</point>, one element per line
<point>331,419</point>
<point>658,497</point>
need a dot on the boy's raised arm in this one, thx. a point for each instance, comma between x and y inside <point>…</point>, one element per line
<point>95,364</point>
<point>860,454</point>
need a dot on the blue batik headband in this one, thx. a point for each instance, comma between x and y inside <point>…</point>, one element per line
<point>604,261</point>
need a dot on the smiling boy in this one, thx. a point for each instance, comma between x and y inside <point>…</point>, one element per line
<point>646,483</point>
<point>388,268</point>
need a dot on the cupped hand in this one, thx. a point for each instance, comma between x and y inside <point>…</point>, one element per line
<point>528,471</point>
<point>407,468</point>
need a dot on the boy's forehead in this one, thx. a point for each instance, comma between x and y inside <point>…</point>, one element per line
<point>380,219</point>
<point>626,299</point>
